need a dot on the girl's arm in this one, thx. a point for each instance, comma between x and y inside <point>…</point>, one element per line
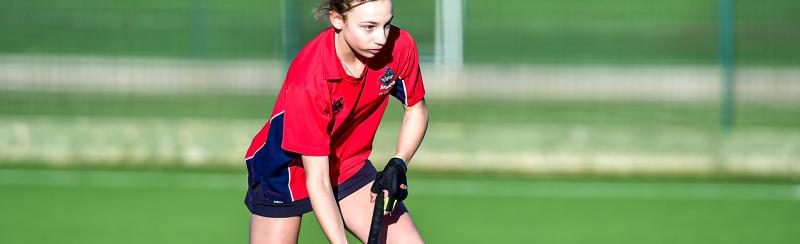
<point>324,204</point>
<point>415,123</point>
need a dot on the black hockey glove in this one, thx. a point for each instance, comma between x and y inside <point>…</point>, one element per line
<point>393,180</point>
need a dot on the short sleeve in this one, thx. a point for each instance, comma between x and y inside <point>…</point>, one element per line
<point>306,120</point>
<point>408,87</point>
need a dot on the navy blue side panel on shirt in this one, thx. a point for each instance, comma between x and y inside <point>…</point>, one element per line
<point>399,91</point>
<point>270,165</point>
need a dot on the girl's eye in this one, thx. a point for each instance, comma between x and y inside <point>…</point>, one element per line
<point>369,27</point>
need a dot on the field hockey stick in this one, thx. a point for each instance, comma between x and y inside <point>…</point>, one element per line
<point>377,216</point>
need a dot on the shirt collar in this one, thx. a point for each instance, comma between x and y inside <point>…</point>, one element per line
<point>330,62</point>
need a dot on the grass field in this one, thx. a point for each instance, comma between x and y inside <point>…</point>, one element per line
<point>564,32</point>
<point>90,206</point>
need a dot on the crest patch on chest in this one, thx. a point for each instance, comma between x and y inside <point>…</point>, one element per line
<point>387,80</point>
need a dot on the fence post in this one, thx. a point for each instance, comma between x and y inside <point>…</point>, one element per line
<point>199,30</point>
<point>726,58</point>
<point>291,31</point>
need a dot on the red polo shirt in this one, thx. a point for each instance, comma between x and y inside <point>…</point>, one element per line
<point>321,111</point>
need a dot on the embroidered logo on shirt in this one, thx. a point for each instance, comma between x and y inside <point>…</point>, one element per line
<point>387,80</point>
<point>338,105</point>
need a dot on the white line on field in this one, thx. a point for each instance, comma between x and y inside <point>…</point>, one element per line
<point>429,187</point>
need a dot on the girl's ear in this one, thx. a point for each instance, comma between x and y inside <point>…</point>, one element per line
<point>337,20</point>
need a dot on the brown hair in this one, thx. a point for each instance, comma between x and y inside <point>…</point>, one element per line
<point>341,7</point>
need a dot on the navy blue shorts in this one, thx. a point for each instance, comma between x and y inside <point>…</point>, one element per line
<point>257,204</point>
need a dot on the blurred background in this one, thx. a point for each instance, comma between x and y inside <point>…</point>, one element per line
<point>604,121</point>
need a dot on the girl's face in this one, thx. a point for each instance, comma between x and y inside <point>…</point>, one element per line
<point>366,28</point>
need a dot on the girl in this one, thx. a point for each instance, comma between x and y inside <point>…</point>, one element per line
<point>313,152</point>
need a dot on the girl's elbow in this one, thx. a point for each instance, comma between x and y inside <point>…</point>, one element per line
<point>423,115</point>
<point>317,183</point>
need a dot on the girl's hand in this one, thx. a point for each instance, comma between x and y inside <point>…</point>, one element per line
<point>392,181</point>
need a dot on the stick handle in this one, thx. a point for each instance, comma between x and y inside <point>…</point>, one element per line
<point>377,216</point>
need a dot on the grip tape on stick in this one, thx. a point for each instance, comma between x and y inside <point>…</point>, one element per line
<point>377,216</point>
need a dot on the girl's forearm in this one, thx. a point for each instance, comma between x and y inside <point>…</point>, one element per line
<point>412,131</point>
<point>322,200</point>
